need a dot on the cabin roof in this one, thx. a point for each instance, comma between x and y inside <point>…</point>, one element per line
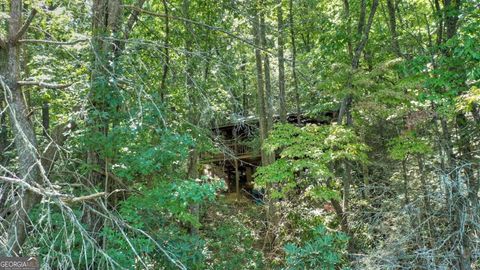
<point>239,120</point>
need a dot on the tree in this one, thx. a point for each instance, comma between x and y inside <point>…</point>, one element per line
<point>281,63</point>
<point>111,112</point>
<point>294,58</point>
<point>25,140</point>
<point>262,112</point>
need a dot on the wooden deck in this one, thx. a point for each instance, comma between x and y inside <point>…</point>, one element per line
<point>238,157</point>
<point>231,149</point>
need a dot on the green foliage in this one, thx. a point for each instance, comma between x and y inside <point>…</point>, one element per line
<point>306,155</point>
<point>61,240</point>
<point>231,244</point>
<point>140,159</point>
<point>407,145</point>
<point>121,250</point>
<point>324,250</point>
<point>323,193</point>
<point>172,199</point>
<point>466,102</point>
<point>141,129</point>
<point>181,246</point>
<point>164,210</point>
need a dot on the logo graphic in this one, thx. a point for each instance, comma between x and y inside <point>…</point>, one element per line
<point>19,263</point>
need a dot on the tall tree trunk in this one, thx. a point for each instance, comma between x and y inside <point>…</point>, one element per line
<point>106,22</point>
<point>393,27</point>
<point>364,32</point>
<point>193,113</point>
<point>364,35</point>
<point>25,141</point>
<point>450,13</point>
<point>166,52</point>
<point>347,18</point>
<point>294,59</point>
<point>439,14</point>
<point>190,86</point>
<point>15,223</point>
<point>266,73</point>
<point>268,85</point>
<point>281,64</point>
<point>269,157</point>
<point>260,84</point>
<point>244,88</point>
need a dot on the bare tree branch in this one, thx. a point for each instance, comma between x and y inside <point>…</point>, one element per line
<point>113,177</point>
<point>24,184</point>
<point>470,83</point>
<point>25,26</point>
<point>64,197</point>
<point>53,42</point>
<point>363,42</point>
<point>132,19</point>
<point>58,137</point>
<point>44,85</point>
<point>93,196</point>
<point>213,28</point>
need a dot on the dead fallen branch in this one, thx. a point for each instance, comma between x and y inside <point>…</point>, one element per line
<point>44,84</point>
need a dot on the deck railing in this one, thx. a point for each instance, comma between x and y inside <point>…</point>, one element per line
<point>230,149</point>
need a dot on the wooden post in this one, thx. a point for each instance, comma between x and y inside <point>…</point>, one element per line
<point>248,174</point>
<point>237,172</point>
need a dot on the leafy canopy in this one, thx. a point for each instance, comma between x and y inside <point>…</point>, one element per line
<point>306,155</point>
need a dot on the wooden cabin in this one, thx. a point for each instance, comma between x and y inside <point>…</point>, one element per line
<point>239,149</point>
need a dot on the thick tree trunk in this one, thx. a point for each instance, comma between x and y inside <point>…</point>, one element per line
<point>267,78</point>
<point>268,115</point>
<point>25,141</point>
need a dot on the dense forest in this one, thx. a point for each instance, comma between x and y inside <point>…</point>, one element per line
<point>240,134</point>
